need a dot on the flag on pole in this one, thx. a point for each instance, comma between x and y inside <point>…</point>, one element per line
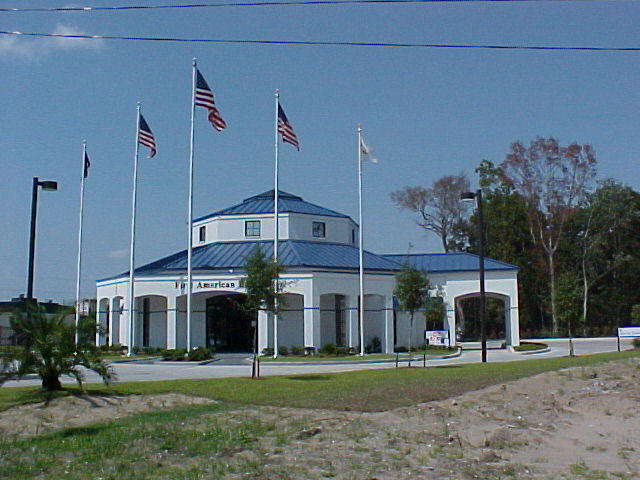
<point>87,164</point>
<point>145,137</point>
<point>204,98</point>
<point>285,129</point>
<point>366,152</point>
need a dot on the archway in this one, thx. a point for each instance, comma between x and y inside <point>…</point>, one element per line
<point>103,320</point>
<point>467,318</point>
<point>229,327</point>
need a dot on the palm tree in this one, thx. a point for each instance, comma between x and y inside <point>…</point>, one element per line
<point>46,346</point>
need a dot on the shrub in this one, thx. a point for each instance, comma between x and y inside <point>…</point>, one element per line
<point>375,346</point>
<point>199,354</point>
<point>267,352</point>
<point>283,350</point>
<point>400,349</point>
<point>117,348</point>
<point>636,342</point>
<point>48,349</point>
<point>329,349</point>
<point>173,354</point>
<point>300,351</point>
<point>341,351</point>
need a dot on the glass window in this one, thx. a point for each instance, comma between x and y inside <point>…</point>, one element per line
<point>252,228</point>
<point>202,234</point>
<point>318,229</point>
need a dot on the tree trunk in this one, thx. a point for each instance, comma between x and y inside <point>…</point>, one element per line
<point>585,297</point>
<point>552,285</point>
<point>51,382</point>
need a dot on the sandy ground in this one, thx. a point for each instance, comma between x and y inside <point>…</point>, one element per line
<point>575,423</point>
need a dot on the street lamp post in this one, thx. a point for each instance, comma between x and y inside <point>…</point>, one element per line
<point>482,313</point>
<point>46,185</point>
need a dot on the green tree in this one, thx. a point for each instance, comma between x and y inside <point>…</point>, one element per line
<point>412,292</point>
<point>552,180</point>
<point>47,347</point>
<point>261,282</point>
<point>508,239</point>
<point>435,311</point>
<point>439,207</point>
<point>263,289</point>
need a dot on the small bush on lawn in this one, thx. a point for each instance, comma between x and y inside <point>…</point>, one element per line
<point>283,350</point>
<point>267,352</point>
<point>400,349</point>
<point>329,349</point>
<point>299,351</point>
<point>375,346</point>
<point>636,342</point>
<point>173,354</point>
<point>199,354</point>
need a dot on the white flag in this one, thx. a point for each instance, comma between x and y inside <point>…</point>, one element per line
<point>366,152</point>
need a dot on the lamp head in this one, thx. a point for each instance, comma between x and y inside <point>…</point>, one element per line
<point>467,196</point>
<point>49,185</point>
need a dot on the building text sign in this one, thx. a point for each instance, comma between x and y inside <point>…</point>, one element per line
<point>210,285</point>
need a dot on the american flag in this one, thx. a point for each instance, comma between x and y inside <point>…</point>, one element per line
<point>204,98</point>
<point>286,130</point>
<point>87,164</point>
<point>145,137</point>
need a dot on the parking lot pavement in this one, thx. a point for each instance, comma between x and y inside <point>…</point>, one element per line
<point>238,367</point>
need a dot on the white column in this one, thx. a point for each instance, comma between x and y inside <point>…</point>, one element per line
<point>111,314</point>
<point>263,330</point>
<point>451,320</point>
<point>387,346</point>
<point>512,321</point>
<point>172,322</point>
<point>312,320</point>
<point>352,321</point>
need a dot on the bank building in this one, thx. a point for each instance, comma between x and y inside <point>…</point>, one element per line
<point>318,250</point>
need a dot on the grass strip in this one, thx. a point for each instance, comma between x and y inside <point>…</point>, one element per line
<point>186,442</point>
<point>364,390</point>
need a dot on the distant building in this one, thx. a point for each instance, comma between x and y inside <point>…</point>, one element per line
<point>18,304</point>
<point>319,252</point>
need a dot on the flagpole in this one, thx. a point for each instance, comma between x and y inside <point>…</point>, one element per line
<point>133,238</point>
<point>79,264</point>
<point>360,243</point>
<point>190,223</point>
<point>277,226</point>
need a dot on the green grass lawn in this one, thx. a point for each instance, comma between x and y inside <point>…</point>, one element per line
<point>211,441</point>
<point>364,390</point>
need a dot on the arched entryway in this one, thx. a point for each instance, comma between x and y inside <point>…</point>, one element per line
<point>467,316</point>
<point>229,326</point>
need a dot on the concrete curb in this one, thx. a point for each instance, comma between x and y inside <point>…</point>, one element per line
<point>531,352</point>
<point>415,357</point>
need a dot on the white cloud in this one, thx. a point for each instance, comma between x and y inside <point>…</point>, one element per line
<point>38,47</point>
<point>123,252</point>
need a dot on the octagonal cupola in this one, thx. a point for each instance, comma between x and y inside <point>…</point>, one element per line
<point>252,220</point>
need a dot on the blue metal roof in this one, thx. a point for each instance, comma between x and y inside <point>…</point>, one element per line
<point>293,254</point>
<point>263,203</point>
<point>448,262</point>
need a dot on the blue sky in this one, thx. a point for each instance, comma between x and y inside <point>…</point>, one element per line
<point>427,112</point>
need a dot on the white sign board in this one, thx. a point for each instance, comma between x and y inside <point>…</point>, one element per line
<point>437,337</point>
<point>629,331</point>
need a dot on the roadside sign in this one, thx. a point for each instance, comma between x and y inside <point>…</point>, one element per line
<point>629,331</point>
<point>437,337</point>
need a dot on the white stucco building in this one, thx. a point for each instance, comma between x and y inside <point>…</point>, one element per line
<point>319,252</point>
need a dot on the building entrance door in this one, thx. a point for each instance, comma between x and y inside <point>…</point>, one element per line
<point>229,326</point>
